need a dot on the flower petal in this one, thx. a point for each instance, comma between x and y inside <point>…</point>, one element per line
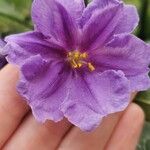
<point>15,54</point>
<point>41,83</point>
<point>94,7</point>
<point>75,7</point>
<point>3,61</point>
<point>52,19</point>
<point>129,54</point>
<point>2,57</point>
<point>21,46</point>
<point>129,21</point>
<point>93,96</point>
<point>2,43</point>
<point>116,18</point>
<point>32,41</point>
<point>140,82</point>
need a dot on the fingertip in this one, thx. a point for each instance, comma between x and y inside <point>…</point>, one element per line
<point>136,113</point>
<point>128,130</point>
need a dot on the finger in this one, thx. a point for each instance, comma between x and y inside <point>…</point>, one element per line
<point>96,140</point>
<point>127,132</point>
<point>12,108</point>
<point>32,135</point>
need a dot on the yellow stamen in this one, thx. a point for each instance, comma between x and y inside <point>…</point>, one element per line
<point>84,55</point>
<point>78,59</point>
<point>91,67</point>
<point>74,64</point>
<point>76,55</point>
<point>80,64</point>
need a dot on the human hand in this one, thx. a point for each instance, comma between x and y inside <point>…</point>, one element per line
<point>20,131</point>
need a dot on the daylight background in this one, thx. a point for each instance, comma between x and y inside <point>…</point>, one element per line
<point>15,18</point>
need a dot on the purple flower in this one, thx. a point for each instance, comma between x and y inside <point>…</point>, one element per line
<point>80,63</point>
<point>2,58</point>
<point>2,61</point>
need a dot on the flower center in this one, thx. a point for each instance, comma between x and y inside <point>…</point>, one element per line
<point>78,60</point>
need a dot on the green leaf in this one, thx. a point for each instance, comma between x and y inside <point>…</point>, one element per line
<point>137,3</point>
<point>144,143</point>
<point>8,26</point>
<point>14,16</point>
<point>148,144</point>
<point>8,9</point>
<point>143,99</point>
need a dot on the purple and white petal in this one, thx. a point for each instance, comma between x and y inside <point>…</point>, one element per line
<point>15,54</point>
<point>94,7</point>
<point>2,43</point>
<point>53,20</point>
<point>140,82</point>
<point>129,20</point>
<point>101,23</point>
<point>19,47</point>
<point>42,84</point>
<point>129,54</point>
<point>93,96</point>
<point>2,58</point>
<point>75,7</point>
<point>33,41</point>
<point>99,26</point>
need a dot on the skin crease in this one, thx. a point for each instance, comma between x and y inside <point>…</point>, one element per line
<point>20,131</point>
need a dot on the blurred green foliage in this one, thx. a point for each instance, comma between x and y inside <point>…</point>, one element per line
<point>143,99</point>
<point>144,143</point>
<point>15,17</point>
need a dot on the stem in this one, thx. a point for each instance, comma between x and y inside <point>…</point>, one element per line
<point>23,23</point>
